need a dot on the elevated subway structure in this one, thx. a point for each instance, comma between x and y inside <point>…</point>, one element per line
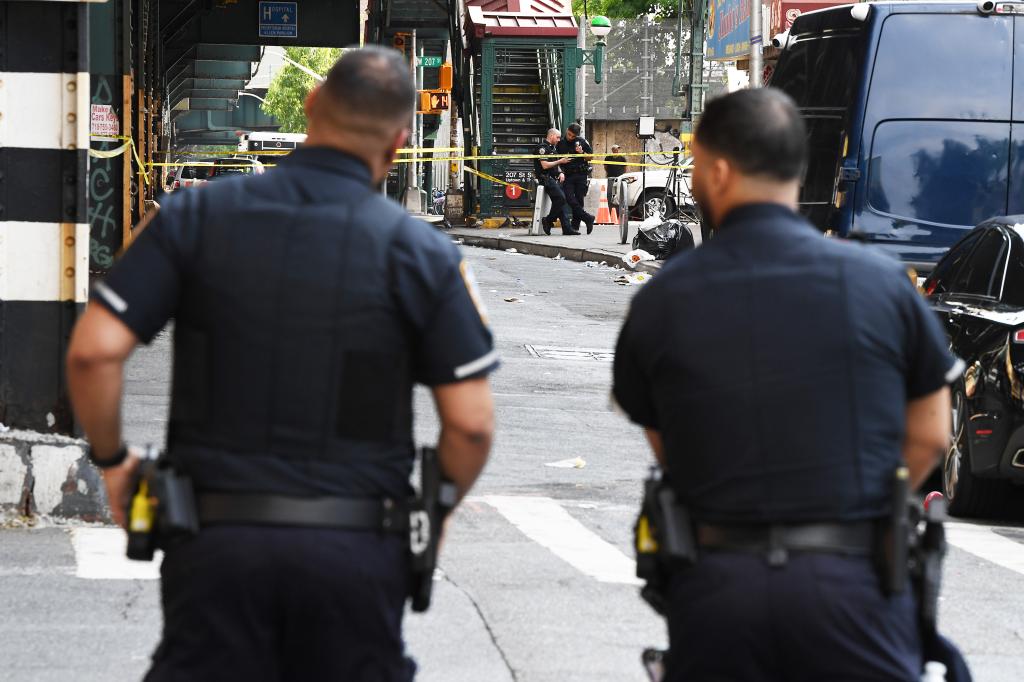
<point>92,95</point>
<point>95,94</point>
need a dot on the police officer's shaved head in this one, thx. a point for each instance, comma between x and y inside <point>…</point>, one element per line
<point>759,131</point>
<point>553,135</point>
<point>370,87</point>
<point>364,107</point>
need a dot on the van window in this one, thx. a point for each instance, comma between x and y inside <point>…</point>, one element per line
<point>982,274</point>
<point>920,72</point>
<point>946,172</point>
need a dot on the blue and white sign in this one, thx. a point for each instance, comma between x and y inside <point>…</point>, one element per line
<point>279,20</point>
<point>728,31</point>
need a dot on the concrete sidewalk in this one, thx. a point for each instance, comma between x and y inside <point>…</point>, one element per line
<point>602,245</point>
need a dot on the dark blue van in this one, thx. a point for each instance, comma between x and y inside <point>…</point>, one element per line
<point>915,115</point>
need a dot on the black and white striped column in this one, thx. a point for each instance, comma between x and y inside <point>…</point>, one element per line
<point>44,233</point>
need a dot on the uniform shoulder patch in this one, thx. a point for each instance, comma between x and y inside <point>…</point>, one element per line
<point>474,291</point>
<point>542,150</point>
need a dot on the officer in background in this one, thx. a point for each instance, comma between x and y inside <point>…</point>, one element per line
<point>306,306</point>
<point>782,378</point>
<point>549,174</point>
<point>577,175</point>
<point>618,165</point>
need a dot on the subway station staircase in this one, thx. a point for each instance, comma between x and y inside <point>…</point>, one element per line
<point>520,118</point>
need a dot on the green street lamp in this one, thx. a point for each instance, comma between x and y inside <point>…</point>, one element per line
<point>600,26</point>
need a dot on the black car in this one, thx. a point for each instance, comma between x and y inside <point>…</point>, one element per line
<point>978,291</point>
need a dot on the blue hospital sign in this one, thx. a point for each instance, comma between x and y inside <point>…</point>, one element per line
<point>279,20</point>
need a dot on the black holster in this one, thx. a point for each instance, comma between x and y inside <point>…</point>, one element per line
<point>912,548</point>
<point>664,539</point>
<point>162,509</point>
<point>427,512</point>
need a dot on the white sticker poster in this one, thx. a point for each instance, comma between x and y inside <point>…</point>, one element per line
<point>103,121</point>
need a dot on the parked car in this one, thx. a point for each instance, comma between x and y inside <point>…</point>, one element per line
<point>914,119</point>
<point>196,172</point>
<point>653,193</point>
<point>235,165</point>
<point>978,291</point>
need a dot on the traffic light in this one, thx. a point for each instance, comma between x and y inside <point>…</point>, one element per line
<point>433,101</point>
<point>444,77</point>
<point>400,41</point>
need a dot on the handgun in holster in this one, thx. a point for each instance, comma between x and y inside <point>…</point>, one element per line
<point>427,512</point>
<point>162,509</point>
<point>913,548</point>
<point>927,555</point>
<point>664,539</point>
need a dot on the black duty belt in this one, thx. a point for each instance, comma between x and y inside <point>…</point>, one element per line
<point>777,540</point>
<point>321,512</point>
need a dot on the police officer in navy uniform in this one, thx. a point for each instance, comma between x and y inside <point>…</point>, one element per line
<point>782,378</point>
<point>306,306</point>
<point>577,175</point>
<point>548,169</point>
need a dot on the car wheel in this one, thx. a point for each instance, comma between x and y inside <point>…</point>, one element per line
<point>651,201</point>
<point>966,494</point>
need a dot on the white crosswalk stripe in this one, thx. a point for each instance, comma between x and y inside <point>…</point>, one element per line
<point>100,555</point>
<point>985,543</point>
<point>547,523</point>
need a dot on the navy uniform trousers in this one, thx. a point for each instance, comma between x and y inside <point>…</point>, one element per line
<point>559,206</point>
<point>818,617</point>
<point>262,603</point>
<point>576,186</point>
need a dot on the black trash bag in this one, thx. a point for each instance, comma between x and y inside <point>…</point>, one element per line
<point>661,241</point>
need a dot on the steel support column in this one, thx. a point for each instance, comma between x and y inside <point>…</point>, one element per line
<point>44,233</point>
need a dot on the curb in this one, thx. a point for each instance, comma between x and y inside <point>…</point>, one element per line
<point>551,250</point>
<point>46,474</point>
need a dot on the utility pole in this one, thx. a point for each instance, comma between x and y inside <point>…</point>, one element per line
<point>756,44</point>
<point>581,75</point>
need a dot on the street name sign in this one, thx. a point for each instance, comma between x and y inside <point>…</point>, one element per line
<point>430,62</point>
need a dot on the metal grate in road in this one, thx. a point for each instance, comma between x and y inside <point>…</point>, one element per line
<point>561,353</point>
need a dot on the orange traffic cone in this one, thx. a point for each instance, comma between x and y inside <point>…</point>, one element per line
<point>604,216</point>
<point>615,216</point>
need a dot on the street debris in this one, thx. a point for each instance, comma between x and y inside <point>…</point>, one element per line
<point>631,278</point>
<point>458,241</point>
<point>632,258</point>
<point>511,251</point>
<point>558,256</point>
<point>513,299</point>
<point>4,428</point>
<point>574,463</point>
<point>591,263</point>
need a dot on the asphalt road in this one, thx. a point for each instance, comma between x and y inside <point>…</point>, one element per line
<point>536,580</point>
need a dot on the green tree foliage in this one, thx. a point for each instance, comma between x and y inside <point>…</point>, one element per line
<point>290,86</point>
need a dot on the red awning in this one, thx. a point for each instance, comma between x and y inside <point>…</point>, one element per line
<point>543,18</point>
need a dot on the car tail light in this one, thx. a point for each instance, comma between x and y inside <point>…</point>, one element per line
<point>1018,336</point>
<point>177,184</point>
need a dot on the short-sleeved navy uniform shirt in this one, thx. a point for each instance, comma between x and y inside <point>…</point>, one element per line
<point>306,305</point>
<point>777,365</point>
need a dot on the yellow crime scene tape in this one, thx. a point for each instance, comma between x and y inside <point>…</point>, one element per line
<point>111,153</point>
<point>129,142</point>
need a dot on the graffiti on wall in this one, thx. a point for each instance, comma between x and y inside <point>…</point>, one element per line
<point>105,203</point>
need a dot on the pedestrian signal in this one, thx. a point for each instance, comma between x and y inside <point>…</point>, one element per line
<point>444,77</point>
<point>434,101</point>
